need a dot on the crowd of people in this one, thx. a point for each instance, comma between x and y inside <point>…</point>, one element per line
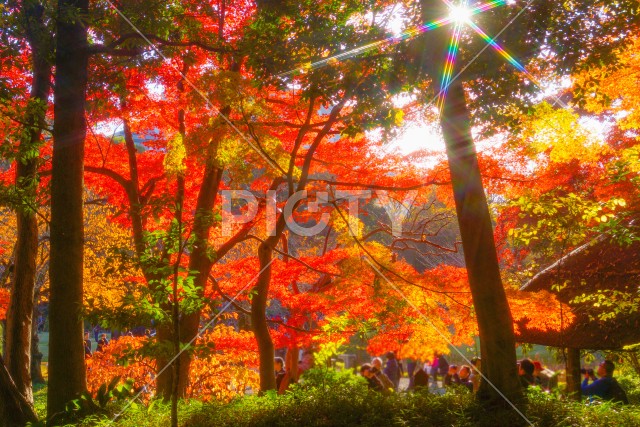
<point>530,373</point>
<point>102,340</point>
<point>88,347</point>
<point>385,376</point>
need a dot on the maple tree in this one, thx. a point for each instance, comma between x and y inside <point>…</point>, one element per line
<point>485,87</point>
<point>587,182</point>
<point>30,83</point>
<point>215,106</point>
<point>149,152</point>
<point>223,367</point>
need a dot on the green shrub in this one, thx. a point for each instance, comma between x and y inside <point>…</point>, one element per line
<point>330,398</point>
<point>546,409</point>
<point>630,382</point>
<point>345,401</point>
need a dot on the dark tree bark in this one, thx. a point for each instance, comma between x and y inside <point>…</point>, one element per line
<point>495,323</point>
<point>132,188</point>
<point>574,379</point>
<point>36,355</point>
<point>19,315</point>
<point>169,381</point>
<point>259,324</point>
<point>260,297</point>
<point>175,309</point>
<point>67,378</point>
<point>15,410</point>
<point>201,258</point>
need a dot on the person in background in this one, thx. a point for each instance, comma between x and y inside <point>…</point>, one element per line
<point>434,369</point>
<point>464,377</point>
<point>420,380</point>
<point>280,372</point>
<point>452,376</point>
<point>443,367</point>
<point>87,345</point>
<point>393,370</point>
<point>102,342</point>
<point>411,368</point>
<point>606,387</point>
<point>538,376</point>
<point>376,366</point>
<point>372,381</point>
<point>475,373</point>
<point>525,372</point>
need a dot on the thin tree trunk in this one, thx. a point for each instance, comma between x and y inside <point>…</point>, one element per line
<point>175,309</point>
<point>201,259</point>
<point>292,362</point>
<point>36,355</point>
<point>164,381</point>
<point>15,410</point>
<point>265,250</point>
<point>258,315</point>
<point>19,315</point>
<point>495,323</point>
<point>574,379</point>
<point>168,384</point>
<point>67,377</point>
<point>133,192</point>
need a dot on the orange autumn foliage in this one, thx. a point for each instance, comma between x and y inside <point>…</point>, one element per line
<point>225,370</point>
<point>119,358</point>
<point>447,316</point>
<point>4,303</point>
<point>229,370</point>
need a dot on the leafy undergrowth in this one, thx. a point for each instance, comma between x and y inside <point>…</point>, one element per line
<point>631,384</point>
<point>329,398</point>
<point>40,399</point>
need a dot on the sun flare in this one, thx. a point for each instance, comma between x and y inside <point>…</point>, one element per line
<point>460,14</point>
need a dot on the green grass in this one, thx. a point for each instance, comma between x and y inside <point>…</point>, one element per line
<point>40,399</point>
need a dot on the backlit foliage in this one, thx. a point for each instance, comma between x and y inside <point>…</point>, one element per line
<point>224,366</point>
<point>4,303</point>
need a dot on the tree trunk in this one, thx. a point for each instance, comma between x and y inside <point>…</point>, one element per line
<point>164,381</point>
<point>67,377</point>
<point>259,324</point>
<point>201,259</point>
<point>133,191</point>
<point>292,362</point>
<point>574,378</point>
<point>19,314</point>
<point>175,309</point>
<point>265,250</point>
<point>36,355</point>
<point>15,410</point>
<point>495,323</point>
